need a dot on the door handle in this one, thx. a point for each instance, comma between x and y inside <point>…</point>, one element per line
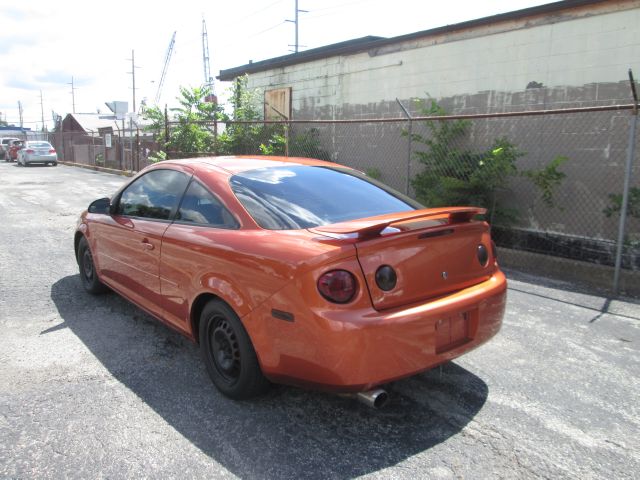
<point>147,245</point>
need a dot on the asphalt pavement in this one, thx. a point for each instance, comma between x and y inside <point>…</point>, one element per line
<point>92,387</point>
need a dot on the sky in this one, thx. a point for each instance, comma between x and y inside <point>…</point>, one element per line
<point>44,44</point>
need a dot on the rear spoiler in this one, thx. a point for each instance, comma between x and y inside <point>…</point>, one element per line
<point>373,226</point>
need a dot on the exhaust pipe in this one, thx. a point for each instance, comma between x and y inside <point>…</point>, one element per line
<point>376,398</point>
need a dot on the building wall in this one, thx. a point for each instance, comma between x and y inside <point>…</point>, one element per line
<point>580,55</point>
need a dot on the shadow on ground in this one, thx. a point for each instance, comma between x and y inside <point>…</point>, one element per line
<point>600,302</point>
<point>289,433</point>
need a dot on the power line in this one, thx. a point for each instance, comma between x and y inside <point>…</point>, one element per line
<point>340,6</point>
<point>256,12</point>
<point>266,29</point>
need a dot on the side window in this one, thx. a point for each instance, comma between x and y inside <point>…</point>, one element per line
<point>202,207</point>
<point>154,195</point>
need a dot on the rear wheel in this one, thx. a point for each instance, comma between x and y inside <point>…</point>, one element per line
<point>228,353</point>
<point>88,274</point>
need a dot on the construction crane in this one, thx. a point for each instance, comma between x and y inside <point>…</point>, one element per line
<point>208,79</point>
<point>167,58</point>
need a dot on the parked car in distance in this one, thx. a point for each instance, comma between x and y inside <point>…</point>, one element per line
<point>295,271</point>
<point>12,151</point>
<point>4,147</point>
<point>37,151</point>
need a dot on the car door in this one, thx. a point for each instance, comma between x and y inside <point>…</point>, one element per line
<point>130,242</point>
<point>200,241</point>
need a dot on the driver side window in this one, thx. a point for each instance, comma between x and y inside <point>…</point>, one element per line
<point>154,195</point>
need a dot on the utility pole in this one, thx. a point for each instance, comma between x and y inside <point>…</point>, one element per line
<point>20,112</point>
<point>134,151</point>
<point>42,111</point>
<point>133,77</point>
<point>297,44</point>
<point>73,95</point>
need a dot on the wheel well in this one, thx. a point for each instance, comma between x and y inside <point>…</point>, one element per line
<point>196,310</point>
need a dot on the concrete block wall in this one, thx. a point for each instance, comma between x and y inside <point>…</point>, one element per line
<point>579,52</point>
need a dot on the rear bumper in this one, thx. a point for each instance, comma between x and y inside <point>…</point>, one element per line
<point>40,158</point>
<point>353,350</point>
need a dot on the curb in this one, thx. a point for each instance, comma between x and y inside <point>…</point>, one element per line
<point>125,173</point>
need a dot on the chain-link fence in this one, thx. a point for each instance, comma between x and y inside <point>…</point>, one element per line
<point>128,149</point>
<point>552,181</point>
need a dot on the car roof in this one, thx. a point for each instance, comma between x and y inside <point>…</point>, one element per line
<point>234,164</point>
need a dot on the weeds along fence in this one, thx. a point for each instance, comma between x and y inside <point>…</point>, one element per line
<point>552,181</point>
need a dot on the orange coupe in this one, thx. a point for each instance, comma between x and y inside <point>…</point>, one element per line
<point>295,271</point>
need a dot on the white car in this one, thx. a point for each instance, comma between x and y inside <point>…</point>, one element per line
<point>37,151</point>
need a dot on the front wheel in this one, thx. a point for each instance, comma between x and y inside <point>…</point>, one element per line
<point>88,274</point>
<point>228,353</point>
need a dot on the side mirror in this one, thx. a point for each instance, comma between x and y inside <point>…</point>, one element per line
<point>100,206</point>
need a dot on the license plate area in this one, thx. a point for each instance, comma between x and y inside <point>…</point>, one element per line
<point>452,332</point>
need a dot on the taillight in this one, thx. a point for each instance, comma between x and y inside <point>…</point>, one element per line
<point>53,150</point>
<point>30,151</point>
<point>386,278</point>
<point>483,255</point>
<point>337,286</point>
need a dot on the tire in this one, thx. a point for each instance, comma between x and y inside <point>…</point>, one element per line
<point>88,274</point>
<point>55,164</point>
<point>228,353</point>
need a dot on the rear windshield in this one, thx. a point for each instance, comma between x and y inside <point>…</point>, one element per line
<point>297,196</point>
<point>39,144</point>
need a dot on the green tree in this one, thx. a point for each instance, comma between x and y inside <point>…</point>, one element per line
<point>244,138</point>
<point>455,176</point>
<point>460,176</point>
<point>190,131</point>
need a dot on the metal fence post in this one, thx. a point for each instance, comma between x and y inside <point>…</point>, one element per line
<point>166,131</point>
<point>215,136</point>
<point>409,146</point>
<point>633,125</point>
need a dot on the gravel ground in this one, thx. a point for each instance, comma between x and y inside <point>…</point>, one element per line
<point>92,387</point>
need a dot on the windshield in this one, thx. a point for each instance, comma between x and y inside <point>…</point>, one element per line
<point>300,196</point>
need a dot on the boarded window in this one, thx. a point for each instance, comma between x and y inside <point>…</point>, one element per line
<point>277,104</point>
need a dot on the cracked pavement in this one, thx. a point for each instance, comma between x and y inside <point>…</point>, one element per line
<point>92,387</point>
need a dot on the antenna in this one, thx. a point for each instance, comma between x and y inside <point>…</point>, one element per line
<point>208,79</point>
<point>167,58</point>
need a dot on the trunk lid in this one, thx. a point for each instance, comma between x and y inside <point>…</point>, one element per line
<point>433,252</point>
